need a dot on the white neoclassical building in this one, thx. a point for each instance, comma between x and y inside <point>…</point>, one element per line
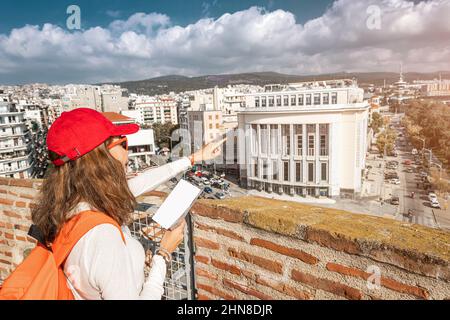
<point>304,139</point>
<point>15,152</point>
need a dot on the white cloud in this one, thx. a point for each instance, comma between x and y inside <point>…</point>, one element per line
<point>147,45</point>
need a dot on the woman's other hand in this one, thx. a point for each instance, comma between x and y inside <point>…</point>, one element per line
<point>172,238</point>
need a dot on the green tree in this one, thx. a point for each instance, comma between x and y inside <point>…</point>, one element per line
<point>377,122</point>
<point>386,139</point>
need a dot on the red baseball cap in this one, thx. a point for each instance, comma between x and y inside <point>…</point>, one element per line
<point>81,130</point>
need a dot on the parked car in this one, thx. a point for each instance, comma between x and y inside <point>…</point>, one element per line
<point>432,196</point>
<point>394,181</point>
<point>208,190</point>
<point>395,200</point>
<point>435,204</point>
<point>423,174</point>
<point>407,162</point>
<point>409,170</point>
<point>220,195</point>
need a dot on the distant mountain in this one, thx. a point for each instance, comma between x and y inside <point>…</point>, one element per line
<point>178,83</point>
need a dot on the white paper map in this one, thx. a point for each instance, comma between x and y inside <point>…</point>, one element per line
<point>177,204</point>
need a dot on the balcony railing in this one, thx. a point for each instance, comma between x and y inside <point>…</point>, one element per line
<point>324,152</point>
<point>310,151</point>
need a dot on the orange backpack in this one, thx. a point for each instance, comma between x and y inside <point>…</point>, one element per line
<point>40,276</point>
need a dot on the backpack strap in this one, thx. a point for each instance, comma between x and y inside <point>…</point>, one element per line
<point>74,229</point>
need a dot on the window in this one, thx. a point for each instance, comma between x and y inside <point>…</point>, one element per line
<point>255,168</point>
<point>285,101</point>
<point>326,98</point>
<point>334,98</point>
<point>217,117</point>
<point>298,139</point>
<point>298,177</point>
<point>317,98</point>
<point>310,145</point>
<point>286,170</point>
<point>323,145</point>
<point>274,139</point>
<point>278,101</point>
<point>300,99</point>
<point>264,169</point>
<point>257,102</point>
<point>210,118</point>
<point>286,139</point>
<point>293,101</point>
<point>263,102</point>
<point>210,126</point>
<point>308,99</point>
<point>264,139</point>
<point>271,103</point>
<point>324,172</point>
<point>217,126</point>
<point>275,170</point>
<point>286,189</point>
<point>310,172</point>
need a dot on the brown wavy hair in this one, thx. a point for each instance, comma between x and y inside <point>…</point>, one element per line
<point>96,178</point>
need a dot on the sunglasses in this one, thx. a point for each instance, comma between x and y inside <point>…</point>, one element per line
<point>123,142</point>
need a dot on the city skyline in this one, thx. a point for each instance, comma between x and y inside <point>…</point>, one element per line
<point>328,37</point>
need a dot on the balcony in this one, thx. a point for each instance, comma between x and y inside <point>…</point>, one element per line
<point>311,152</point>
<point>323,152</point>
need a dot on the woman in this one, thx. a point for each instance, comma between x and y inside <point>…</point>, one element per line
<point>90,157</point>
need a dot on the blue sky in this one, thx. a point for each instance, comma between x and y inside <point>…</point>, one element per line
<point>17,13</point>
<point>137,39</point>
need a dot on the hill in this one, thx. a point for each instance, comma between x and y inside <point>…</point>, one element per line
<point>178,83</point>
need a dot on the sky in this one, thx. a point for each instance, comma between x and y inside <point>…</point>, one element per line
<point>136,39</point>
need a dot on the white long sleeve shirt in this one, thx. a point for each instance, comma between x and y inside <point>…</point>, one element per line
<point>102,266</point>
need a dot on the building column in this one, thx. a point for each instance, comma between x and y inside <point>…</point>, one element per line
<point>304,153</point>
<point>291,157</point>
<point>317,153</point>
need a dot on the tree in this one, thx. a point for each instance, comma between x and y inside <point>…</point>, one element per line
<point>377,122</point>
<point>386,139</point>
<point>163,132</point>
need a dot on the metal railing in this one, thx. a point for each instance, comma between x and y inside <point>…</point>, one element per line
<point>179,282</point>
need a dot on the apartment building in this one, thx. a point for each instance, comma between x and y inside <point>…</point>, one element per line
<point>304,139</point>
<point>15,150</point>
<point>141,145</point>
<point>205,126</point>
<point>157,109</point>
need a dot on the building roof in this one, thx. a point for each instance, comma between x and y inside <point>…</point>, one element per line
<point>117,117</point>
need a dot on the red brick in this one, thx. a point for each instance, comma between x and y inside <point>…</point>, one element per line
<point>336,242</point>
<point>7,202</point>
<point>27,196</point>
<point>205,243</point>
<point>225,266</point>
<point>11,214</point>
<point>5,181</point>
<point>3,191</point>
<point>221,231</point>
<point>5,262</point>
<point>283,288</point>
<point>206,274</point>
<point>20,238</point>
<point>27,183</point>
<point>267,264</point>
<point>9,236</point>
<point>326,285</point>
<point>202,259</point>
<point>21,227</point>
<point>215,291</point>
<point>246,290</point>
<point>385,282</point>
<point>202,297</point>
<point>291,252</point>
<point>2,224</point>
<point>6,253</point>
<point>217,212</point>
<point>32,240</point>
<point>21,204</point>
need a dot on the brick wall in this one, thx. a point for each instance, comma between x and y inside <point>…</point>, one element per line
<point>16,196</point>
<point>255,248</point>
